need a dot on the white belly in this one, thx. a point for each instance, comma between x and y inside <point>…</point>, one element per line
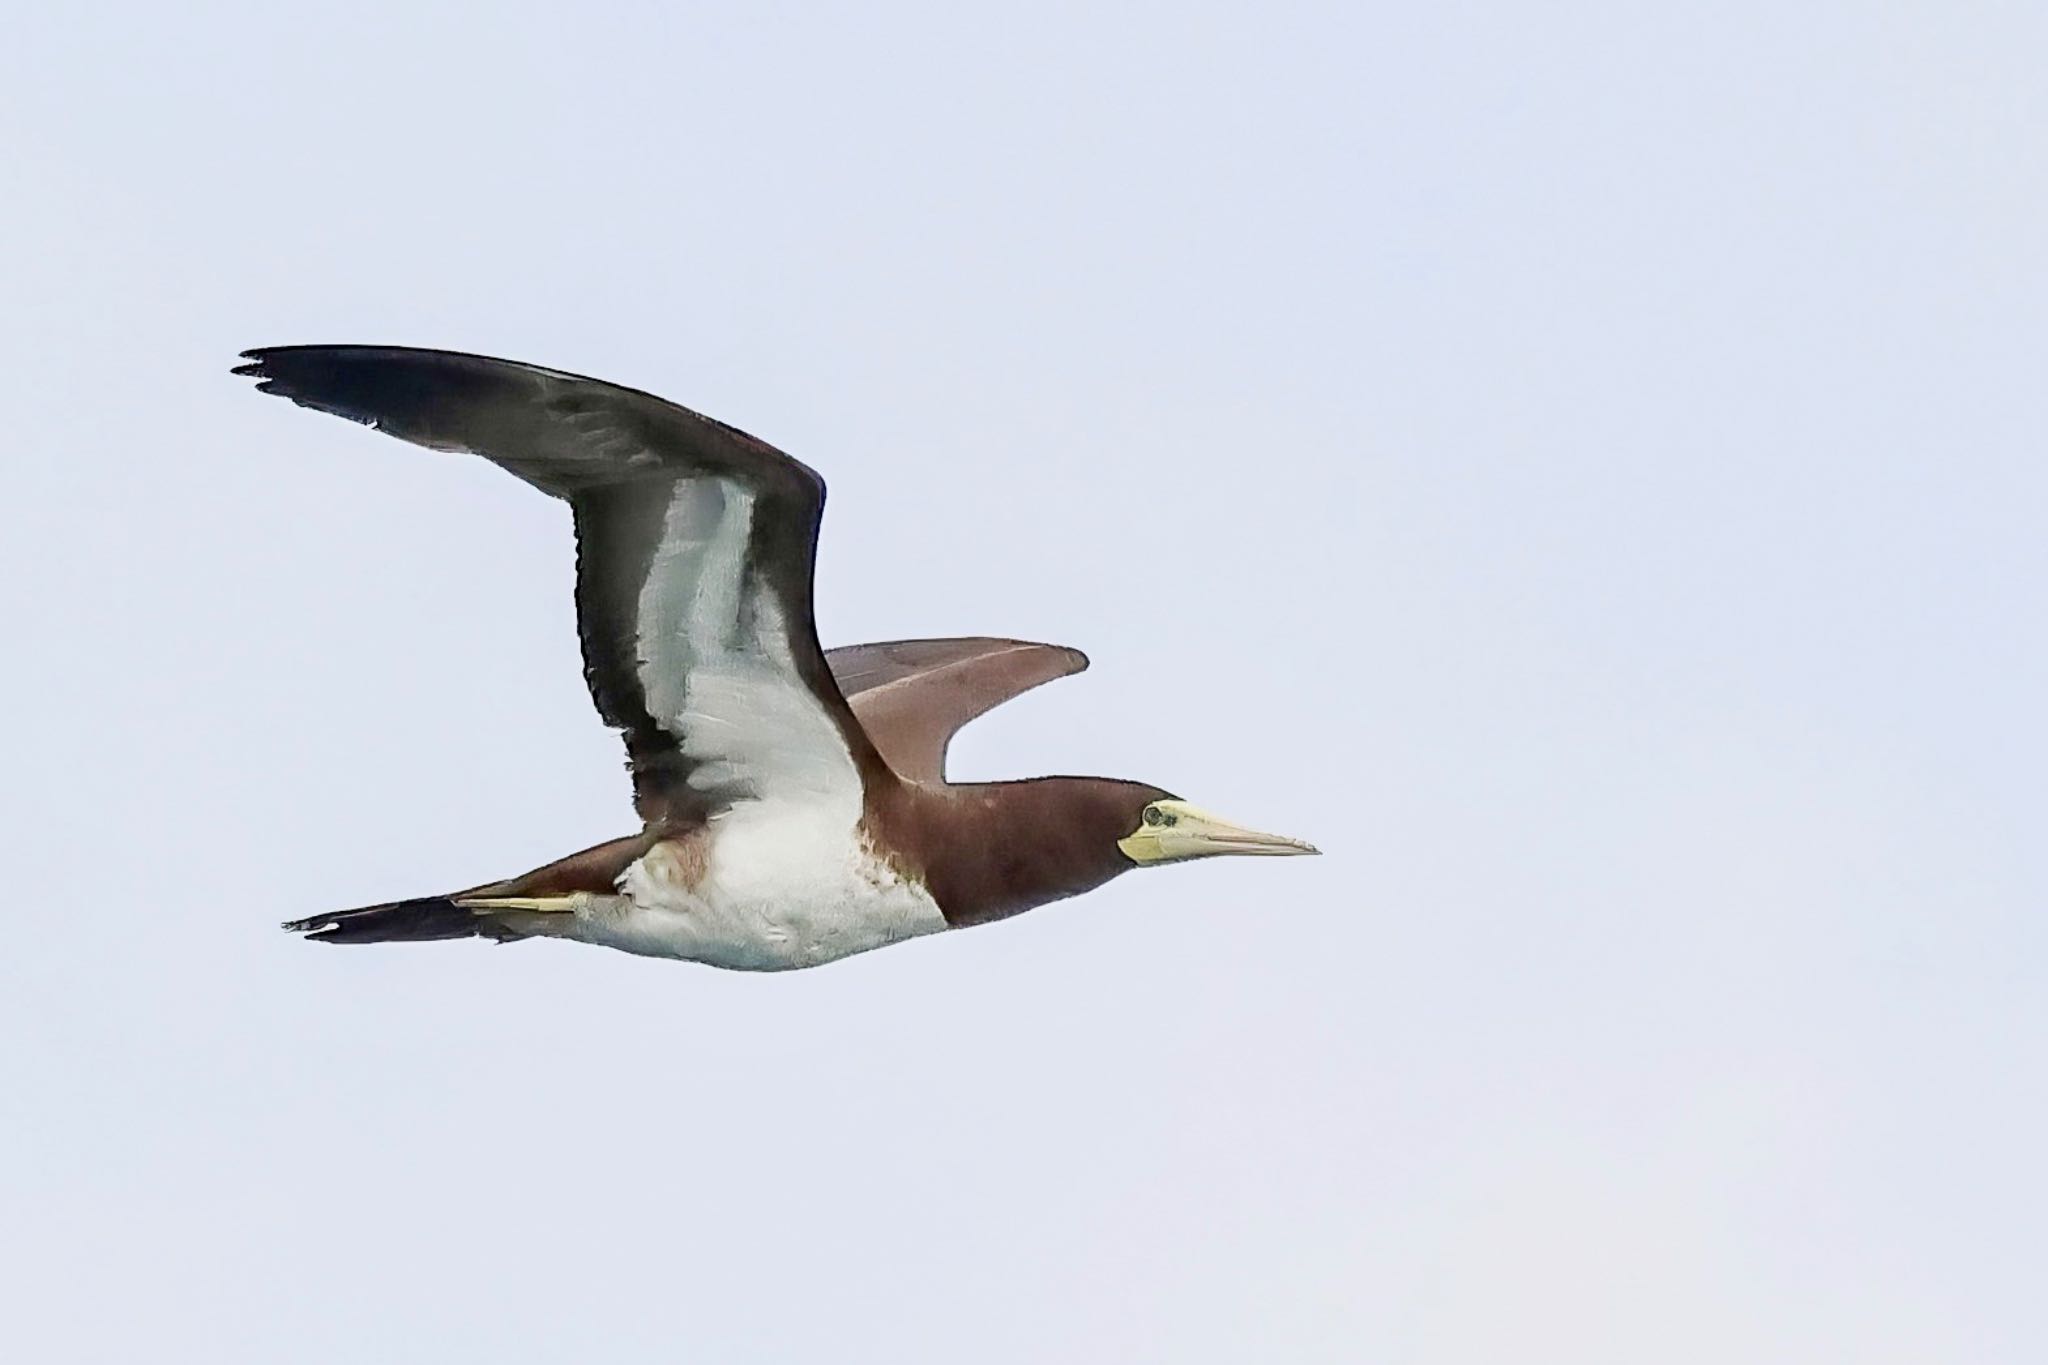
<point>770,888</point>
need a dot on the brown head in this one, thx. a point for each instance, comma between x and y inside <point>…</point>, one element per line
<point>988,850</point>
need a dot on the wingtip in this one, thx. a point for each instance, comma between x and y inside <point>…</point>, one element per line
<point>258,361</point>
<point>1076,660</point>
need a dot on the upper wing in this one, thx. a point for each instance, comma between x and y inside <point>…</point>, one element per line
<point>695,546</point>
<point>913,695</point>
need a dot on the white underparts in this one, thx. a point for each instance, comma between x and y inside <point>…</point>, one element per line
<point>768,888</point>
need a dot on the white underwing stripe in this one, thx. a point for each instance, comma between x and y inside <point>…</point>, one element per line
<point>716,668</point>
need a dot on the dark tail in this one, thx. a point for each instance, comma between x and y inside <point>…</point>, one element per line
<point>414,921</point>
<point>594,870</point>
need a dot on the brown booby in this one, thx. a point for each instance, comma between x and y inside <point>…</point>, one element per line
<point>793,803</point>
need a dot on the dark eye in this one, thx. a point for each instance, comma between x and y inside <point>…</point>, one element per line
<point>1155,816</point>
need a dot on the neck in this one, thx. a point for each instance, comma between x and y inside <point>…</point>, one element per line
<point>989,850</point>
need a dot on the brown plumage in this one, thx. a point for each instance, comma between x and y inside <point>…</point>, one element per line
<point>912,696</point>
<point>794,805</point>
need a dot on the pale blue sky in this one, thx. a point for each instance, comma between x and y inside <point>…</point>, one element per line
<point>1580,465</point>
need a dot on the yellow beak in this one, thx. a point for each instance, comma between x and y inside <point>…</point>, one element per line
<point>1175,830</point>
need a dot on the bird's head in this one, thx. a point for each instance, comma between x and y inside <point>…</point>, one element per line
<point>1003,847</point>
<point>1166,829</point>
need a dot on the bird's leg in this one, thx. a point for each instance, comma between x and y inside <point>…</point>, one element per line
<point>538,905</point>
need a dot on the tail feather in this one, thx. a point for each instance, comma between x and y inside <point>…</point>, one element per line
<point>530,905</point>
<point>412,921</point>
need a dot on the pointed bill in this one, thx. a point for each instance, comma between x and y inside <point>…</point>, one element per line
<point>1174,830</point>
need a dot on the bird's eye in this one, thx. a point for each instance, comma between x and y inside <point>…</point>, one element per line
<point>1154,816</point>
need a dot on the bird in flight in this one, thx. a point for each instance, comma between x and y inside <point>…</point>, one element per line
<point>793,802</point>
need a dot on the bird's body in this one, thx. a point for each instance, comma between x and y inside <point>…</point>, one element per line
<point>793,802</point>
<point>765,890</point>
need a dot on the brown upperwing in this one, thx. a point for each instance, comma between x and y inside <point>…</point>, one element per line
<point>911,696</point>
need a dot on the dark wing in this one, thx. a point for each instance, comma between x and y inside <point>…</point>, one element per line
<point>695,546</point>
<point>913,695</point>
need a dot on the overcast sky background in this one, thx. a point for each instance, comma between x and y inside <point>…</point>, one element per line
<point>1582,466</point>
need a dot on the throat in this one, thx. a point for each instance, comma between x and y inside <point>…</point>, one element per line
<point>987,851</point>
